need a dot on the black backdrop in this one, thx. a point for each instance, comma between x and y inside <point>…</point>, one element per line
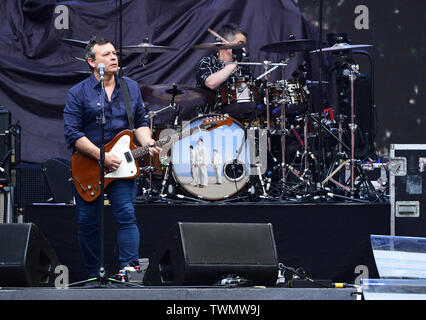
<point>37,69</point>
<point>395,28</point>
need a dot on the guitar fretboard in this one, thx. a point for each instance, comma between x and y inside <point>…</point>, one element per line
<point>143,151</point>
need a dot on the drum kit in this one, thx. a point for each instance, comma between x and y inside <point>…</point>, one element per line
<point>249,157</point>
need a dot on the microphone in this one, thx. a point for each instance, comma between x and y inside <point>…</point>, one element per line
<point>237,54</point>
<point>101,68</point>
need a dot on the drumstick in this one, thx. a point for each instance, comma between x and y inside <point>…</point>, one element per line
<point>217,35</point>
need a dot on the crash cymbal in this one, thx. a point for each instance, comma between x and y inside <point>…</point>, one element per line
<point>184,96</point>
<point>76,43</point>
<point>290,46</point>
<point>146,47</point>
<point>342,46</point>
<point>219,46</point>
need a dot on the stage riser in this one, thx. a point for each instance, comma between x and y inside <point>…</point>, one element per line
<point>329,241</point>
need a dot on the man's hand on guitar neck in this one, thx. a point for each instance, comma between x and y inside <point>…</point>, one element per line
<point>143,136</point>
<point>153,150</point>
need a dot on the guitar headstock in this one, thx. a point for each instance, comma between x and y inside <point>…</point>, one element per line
<point>213,122</point>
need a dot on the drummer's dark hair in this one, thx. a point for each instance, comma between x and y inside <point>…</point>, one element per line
<point>89,52</point>
<point>230,30</point>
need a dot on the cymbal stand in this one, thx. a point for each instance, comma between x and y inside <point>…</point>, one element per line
<point>266,74</point>
<point>151,115</point>
<point>283,64</point>
<point>353,72</point>
<point>283,125</point>
<point>165,178</point>
<point>340,151</point>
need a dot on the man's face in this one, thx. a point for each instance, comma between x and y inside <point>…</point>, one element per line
<point>106,54</point>
<point>238,39</point>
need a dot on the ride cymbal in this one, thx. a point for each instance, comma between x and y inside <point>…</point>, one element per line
<point>146,47</point>
<point>219,46</point>
<point>290,46</point>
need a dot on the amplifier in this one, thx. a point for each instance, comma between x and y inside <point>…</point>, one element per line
<point>31,185</point>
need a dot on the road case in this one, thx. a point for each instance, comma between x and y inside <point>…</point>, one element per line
<point>408,189</point>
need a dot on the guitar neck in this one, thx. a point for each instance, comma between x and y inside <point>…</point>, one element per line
<point>143,151</point>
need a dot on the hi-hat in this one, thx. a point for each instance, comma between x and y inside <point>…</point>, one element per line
<point>219,46</point>
<point>342,46</point>
<point>76,43</point>
<point>146,47</point>
<point>184,96</point>
<point>290,46</point>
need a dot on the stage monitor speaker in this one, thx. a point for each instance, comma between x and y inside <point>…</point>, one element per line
<point>205,253</point>
<point>26,257</point>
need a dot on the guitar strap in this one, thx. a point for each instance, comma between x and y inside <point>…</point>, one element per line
<point>126,98</point>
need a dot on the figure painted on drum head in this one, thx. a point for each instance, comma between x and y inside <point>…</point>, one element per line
<point>193,165</point>
<point>217,166</point>
<point>201,160</point>
<point>230,82</point>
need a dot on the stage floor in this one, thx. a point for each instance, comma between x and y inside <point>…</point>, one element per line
<point>179,294</point>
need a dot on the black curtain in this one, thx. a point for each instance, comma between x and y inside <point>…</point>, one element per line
<point>38,69</point>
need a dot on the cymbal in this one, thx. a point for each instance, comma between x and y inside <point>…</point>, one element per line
<point>290,46</point>
<point>184,96</point>
<point>219,46</point>
<point>146,47</point>
<point>76,43</point>
<point>342,46</point>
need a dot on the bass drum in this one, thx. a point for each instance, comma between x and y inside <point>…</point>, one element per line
<point>211,165</point>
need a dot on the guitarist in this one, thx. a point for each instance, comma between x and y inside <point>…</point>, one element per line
<point>82,132</point>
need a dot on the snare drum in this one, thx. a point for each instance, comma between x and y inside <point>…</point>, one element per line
<point>239,97</point>
<point>215,169</point>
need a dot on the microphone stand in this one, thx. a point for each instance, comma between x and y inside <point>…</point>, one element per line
<point>101,275</point>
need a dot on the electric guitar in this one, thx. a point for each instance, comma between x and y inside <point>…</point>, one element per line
<point>86,170</point>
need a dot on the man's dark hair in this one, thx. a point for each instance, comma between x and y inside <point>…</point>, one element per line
<point>88,51</point>
<point>229,31</point>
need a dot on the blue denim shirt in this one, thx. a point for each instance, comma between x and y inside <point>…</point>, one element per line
<point>81,111</point>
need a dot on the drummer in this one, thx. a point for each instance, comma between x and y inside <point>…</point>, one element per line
<point>212,72</point>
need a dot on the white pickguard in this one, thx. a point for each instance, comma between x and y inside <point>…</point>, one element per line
<point>126,169</point>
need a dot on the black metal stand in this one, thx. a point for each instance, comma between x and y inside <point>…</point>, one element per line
<point>101,274</point>
<point>320,88</point>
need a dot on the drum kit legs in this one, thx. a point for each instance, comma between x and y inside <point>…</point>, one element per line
<point>274,171</point>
